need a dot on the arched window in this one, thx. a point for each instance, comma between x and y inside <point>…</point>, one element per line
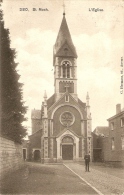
<point>66,69</point>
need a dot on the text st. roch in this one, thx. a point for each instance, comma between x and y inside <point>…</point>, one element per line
<point>40,9</point>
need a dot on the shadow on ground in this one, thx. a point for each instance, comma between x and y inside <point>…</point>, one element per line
<point>44,179</point>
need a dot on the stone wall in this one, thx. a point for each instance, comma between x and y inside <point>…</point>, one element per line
<point>10,156</point>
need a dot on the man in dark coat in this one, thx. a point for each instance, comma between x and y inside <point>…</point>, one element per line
<point>87,160</point>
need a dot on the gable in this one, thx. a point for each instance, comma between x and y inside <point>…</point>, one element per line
<point>62,101</point>
<point>72,102</point>
<point>67,132</point>
<point>51,101</point>
<point>82,104</point>
<point>82,107</point>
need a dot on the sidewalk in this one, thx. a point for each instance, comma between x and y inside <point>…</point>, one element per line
<point>105,182</point>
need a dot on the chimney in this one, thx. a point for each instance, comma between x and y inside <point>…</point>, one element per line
<point>118,108</point>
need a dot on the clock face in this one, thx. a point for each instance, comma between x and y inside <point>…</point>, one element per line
<point>67,119</point>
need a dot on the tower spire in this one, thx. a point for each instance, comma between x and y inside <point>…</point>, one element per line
<point>45,105</point>
<point>45,98</point>
<point>64,37</point>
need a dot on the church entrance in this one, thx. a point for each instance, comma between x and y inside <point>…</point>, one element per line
<point>67,148</point>
<point>67,152</point>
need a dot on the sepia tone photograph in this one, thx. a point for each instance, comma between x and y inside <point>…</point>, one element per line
<point>62,97</point>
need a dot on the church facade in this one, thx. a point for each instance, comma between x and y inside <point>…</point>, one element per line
<point>61,130</point>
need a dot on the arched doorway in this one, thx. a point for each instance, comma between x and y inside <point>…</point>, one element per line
<point>67,148</point>
<point>37,155</point>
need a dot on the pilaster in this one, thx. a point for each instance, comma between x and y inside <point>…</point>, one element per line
<point>45,147</point>
<point>51,148</point>
<point>89,126</point>
<point>82,148</point>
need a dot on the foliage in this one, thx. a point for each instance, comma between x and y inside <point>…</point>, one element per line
<point>12,106</point>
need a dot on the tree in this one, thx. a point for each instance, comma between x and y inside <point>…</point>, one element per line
<point>12,105</point>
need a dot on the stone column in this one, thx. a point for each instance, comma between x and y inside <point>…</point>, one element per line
<point>61,150</point>
<point>74,151</point>
<point>77,149</point>
<point>59,157</point>
<point>51,126</point>
<point>82,148</point>
<point>51,148</point>
<point>70,72</point>
<point>45,147</point>
<point>42,149</point>
<point>82,128</point>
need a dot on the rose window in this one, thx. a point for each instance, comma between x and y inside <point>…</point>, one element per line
<point>67,119</point>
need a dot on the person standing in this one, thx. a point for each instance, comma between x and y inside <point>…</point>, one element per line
<point>87,160</point>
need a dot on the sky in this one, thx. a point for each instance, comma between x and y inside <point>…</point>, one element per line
<point>99,41</point>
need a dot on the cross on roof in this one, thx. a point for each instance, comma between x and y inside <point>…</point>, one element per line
<point>63,8</point>
<point>66,87</point>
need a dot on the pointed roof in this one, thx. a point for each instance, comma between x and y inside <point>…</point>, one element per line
<point>101,130</point>
<point>45,95</point>
<point>87,97</point>
<point>64,37</point>
<point>67,131</point>
<point>36,114</point>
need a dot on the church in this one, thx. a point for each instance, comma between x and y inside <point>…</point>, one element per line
<point>61,130</point>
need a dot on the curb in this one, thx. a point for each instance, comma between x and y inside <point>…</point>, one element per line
<point>100,193</point>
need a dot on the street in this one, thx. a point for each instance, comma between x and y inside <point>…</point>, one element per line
<point>44,179</point>
<point>66,178</point>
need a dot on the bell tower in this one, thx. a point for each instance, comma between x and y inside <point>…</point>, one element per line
<point>65,63</point>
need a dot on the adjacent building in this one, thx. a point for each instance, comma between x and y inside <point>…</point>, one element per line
<point>100,136</point>
<point>108,142</point>
<point>116,136</point>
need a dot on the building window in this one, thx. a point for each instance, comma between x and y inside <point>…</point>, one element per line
<point>113,143</point>
<point>66,69</point>
<point>67,119</point>
<point>66,51</point>
<point>122,143</point>
<point>112,125</point>
<point>122,122</point>
<point>66,98</point>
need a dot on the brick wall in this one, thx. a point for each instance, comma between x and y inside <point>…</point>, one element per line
<point>35,142</point>
<point>36,125</point>
<point>117,154</point>
<point>10,156</point>
<point>106,149</point>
